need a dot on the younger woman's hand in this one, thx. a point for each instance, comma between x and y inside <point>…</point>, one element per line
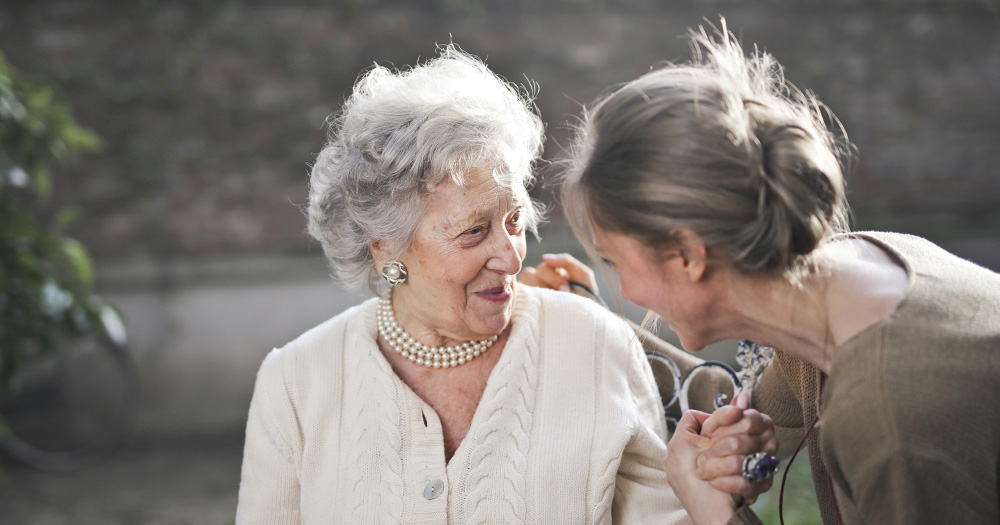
<point>735,432</point>
<point>556,271</point>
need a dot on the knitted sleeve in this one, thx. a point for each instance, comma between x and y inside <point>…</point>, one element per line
<point>269,485</point>
<point>642,494</point>
<point>775,396</point>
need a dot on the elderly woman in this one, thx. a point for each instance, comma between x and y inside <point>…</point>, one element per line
<point>458,395</point>
<point>715,191</point>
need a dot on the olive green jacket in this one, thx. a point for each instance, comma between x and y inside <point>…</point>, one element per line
<point>910,417</point>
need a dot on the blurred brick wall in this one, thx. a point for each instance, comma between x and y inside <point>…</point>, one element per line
<point>212,110</point>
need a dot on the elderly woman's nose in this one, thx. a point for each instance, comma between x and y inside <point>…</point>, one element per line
<point>506,254</point>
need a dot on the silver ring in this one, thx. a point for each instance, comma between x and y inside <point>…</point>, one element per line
<point>759,467</point>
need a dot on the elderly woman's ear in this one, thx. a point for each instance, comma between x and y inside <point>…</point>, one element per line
<point>375,246</point>
<point>381,256</point>
<point>380,253</point>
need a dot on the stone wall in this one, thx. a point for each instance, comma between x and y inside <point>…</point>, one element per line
<point>212,111</point>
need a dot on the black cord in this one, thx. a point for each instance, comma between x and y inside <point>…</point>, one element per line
<point>590,292</point>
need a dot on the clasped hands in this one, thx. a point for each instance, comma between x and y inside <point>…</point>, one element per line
<point>704,462</point>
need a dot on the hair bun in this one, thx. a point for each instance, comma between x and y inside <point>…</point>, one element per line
<point>799,190</point>
<point>722,146</point>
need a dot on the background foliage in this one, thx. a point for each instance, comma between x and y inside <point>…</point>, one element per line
<point>46,277</point>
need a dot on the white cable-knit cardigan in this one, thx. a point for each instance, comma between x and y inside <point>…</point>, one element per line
<point>569,430</point>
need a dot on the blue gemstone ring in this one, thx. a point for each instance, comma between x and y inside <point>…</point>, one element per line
<point>759,467</point>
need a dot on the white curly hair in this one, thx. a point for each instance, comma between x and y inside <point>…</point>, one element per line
<point>402,131</point>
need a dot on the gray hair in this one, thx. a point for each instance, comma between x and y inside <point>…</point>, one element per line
<point>401,132</point>
<point>723,146</point>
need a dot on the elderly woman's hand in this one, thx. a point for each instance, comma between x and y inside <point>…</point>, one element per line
<point>556,271</point>
<point>735,431</point>
<point>704,503</point>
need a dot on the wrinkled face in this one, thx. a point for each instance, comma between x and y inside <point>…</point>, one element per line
<point>462,263</point>
<point>659,283</point>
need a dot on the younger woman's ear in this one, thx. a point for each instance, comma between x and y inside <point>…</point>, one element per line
<point>694,255</point>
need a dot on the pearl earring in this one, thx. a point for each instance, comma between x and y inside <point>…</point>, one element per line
<point>394,272</point>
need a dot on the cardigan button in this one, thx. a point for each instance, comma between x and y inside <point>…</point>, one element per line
<point>433,489</point>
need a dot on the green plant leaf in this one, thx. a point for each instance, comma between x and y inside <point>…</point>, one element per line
<point>78,139</point>
<point>56,300</point>
<point>114,325</point>
<point>76,255</point>
<point>42,182</point>
<point>64,218</point>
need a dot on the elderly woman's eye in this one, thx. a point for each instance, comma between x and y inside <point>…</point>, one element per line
<point>514,222</point>
<point>475,231</point>
<point>608,262</point>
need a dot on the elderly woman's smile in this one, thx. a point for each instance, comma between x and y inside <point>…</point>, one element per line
<point>462,262</point>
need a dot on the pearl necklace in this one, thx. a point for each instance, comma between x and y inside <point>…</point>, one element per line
<point>419,353</point>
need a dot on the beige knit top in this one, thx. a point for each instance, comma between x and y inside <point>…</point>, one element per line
<point>910,417</point>
<point>569,430</point>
